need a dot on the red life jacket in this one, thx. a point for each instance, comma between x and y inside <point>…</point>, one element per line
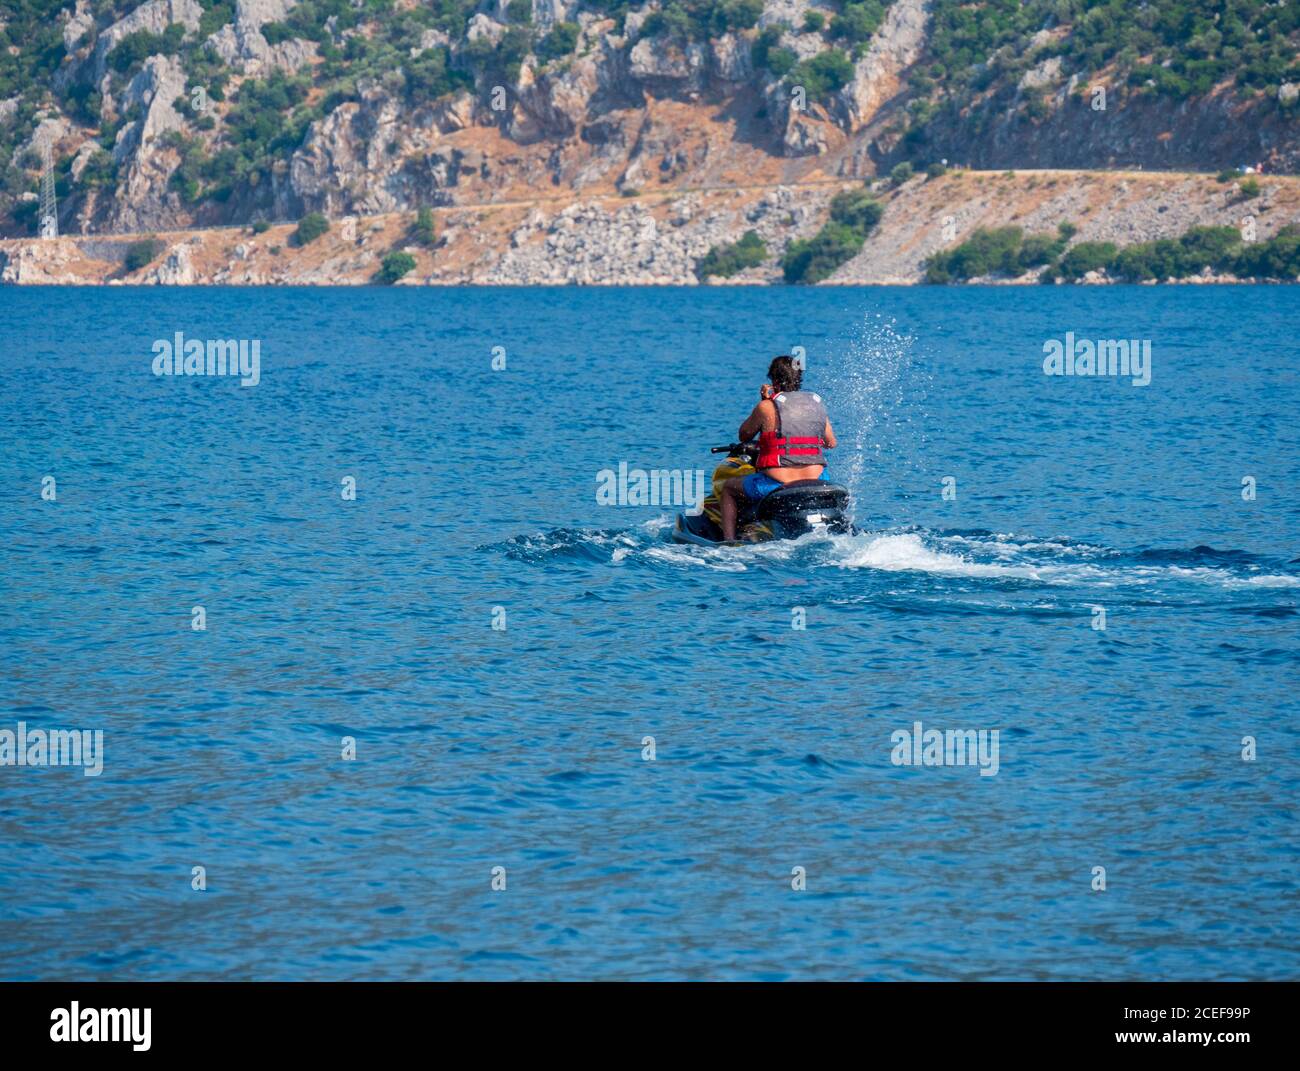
<point>797,440</point>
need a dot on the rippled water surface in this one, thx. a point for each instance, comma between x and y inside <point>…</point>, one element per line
<point>522,748</point>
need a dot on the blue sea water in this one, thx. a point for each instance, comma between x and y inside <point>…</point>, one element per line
<point>522,748</point>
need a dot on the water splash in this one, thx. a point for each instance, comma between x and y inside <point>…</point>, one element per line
<point>908,552</point>
<point>876,394</point>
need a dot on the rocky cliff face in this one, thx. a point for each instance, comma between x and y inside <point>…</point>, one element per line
<point>153,16</point>
<point>375,155</point>
<point>242,45</point>
<point>353,115</point>
<point>1218,130</point>
<point>145,166</point>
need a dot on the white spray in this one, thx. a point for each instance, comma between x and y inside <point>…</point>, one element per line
<point>876,397</point>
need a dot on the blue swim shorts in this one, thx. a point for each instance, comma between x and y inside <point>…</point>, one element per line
<point>759,485</point>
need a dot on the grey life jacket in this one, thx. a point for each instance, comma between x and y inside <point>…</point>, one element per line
<point>797,441</point>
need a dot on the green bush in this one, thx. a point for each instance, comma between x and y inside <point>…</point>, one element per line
<point>504,60</point>
<point>24,216</point>
<point>768,55</point>
<point>1037,251</point>
<point>132,50</point>
<point>856,209</point>
<point>560,42</point>
<point>1210,247</point>
<point>195,165</point>
<point>998,251</point>
<point>813,22</point>
<point>1219,249</point>
<point>216,14</point>
<point>143,253</point>
<point>100,171</point>
<point>936,170</point>
<point>261,227</point>
<point>858,21</point>
<point>83,103</point>
<point>988,251</point>
<point>699,20</point>
<point>424,230</point>
<point>822,76</point>
<point>310,227</point>
<point>276,32</point>
<point>430,75</point>
<point>394,266</point>
<point>1249,188</point>
<point>900,174</point>
<point>1200,248</point>
<point>781,61</point>
<point>1086,257</point>
<point>1146,260</point>
<point>727,260</point>
<point>1278,258</point>
<point>810,260</point>
<point>853,215</point>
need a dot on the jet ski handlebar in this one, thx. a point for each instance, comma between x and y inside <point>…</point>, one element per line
<point>738,449</point>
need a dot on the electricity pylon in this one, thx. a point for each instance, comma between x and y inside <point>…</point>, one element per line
<point>49,204</point>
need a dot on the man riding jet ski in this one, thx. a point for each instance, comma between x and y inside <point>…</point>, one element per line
<point>782,495</point>
<point>792,427</point>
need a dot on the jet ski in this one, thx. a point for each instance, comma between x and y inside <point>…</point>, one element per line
<point>787,513</point>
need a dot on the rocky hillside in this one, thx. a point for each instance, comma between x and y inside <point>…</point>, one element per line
<point>665,237</point>
<point>180,114</point>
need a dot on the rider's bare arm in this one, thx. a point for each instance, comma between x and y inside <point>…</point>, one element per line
<point>763,418</point>
<point>828,436</point>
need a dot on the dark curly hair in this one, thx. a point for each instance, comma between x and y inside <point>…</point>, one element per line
<point>784,373</point>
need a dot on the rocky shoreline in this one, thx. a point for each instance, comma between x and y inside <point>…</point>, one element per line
<point>659,239</point>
